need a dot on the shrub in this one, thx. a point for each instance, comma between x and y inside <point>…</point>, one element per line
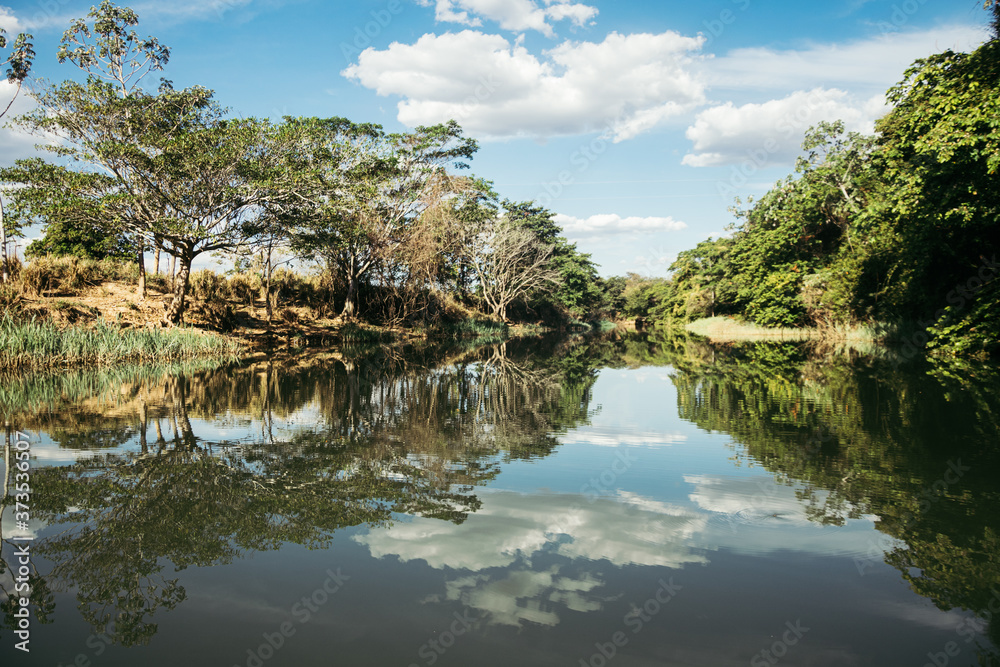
<point>208,286</point>
<point>244,287</point>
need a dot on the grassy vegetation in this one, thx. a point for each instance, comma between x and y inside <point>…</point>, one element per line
<point>42,343</point>
<point>359,335</point>
<point>69,275</point>
<point>732,329</point>
<point>471,328</point>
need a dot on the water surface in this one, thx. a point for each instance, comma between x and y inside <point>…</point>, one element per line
<point>623,500</point>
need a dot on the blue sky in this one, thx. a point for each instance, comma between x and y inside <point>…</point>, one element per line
<point>636,122</point>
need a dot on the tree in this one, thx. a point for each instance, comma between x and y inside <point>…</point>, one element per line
<point>101,123</point>
<point>18,63</point>
<point>210,181</point>
<point>511,263</point>
<point>69,205</point>
<point>939,159</point>
<point>117,55</point>
<point>360,190</point>
<point>579,289</point>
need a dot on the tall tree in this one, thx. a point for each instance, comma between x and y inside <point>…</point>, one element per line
<point>18,63</point>
<point>362,189</point>
<point>118,55</point>
<point>511,263</point>
<point>578,291</point>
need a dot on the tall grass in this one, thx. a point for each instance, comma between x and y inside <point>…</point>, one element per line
<point>352,333</point>
<point>42,343</point>
<point>472,328</point>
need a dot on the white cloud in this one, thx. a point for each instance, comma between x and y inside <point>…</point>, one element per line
<point>866,67</point>
<point>9,22</point>
<point>622,86</point>
<point>610,223</point>
<point>514,15</point>
<point>626,530</point>
<point>14,144</point>
<point>617,438</point>
<point>772,132</point>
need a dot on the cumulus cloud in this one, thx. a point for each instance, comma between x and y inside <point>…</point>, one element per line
<point>525,595</point>
<point>837,81</point>
<point>625,530</point>
<point>9,22</point>
<point>610,223</point>
<point>609,438</point>
<point>622,86</point>
<point>514,15</point>
<point>772,132</point>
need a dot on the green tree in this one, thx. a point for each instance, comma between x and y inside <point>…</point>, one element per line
<point>361,190</point>
<point>939,160</point>
<point>805,226</point>
<point>579,291</point>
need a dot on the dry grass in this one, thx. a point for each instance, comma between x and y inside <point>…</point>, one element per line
<point>728,329</point>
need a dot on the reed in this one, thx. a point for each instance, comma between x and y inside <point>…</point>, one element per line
<point>42,343</point>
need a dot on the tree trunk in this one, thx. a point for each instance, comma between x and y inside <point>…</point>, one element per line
<point>4,275</point>
<point>173,270</point>
<point>156,258</point>
<point>267,286</point>
<point>175,313</point>
<point>143,426</point>
<point>350,307</point>
<point>141,291</point>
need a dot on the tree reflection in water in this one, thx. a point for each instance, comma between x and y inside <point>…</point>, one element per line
<point>321,446</point>
<point>180,467</point>
<point>913,445</point>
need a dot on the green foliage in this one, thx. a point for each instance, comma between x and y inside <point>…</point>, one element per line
<point>776,301</point>
<point>970,331</point>
<point>80,240</point>
<point>872,229</point>
<point>580,293</point>
<point>18,63</point>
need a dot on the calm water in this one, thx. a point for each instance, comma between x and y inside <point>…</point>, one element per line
<point>618,501</point>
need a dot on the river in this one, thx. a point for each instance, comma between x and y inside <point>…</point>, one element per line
<point>620,500</point>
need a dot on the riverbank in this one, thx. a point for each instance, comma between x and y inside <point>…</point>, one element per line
<point>729,329</point>
<point>107,322</point>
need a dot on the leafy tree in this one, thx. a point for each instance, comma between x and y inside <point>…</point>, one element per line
<point>100,124</point>
<point>579,291</point>
<point>18,63</point>
<point>700,284</point>
<point>941,152</point>
<point>361,190</point>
